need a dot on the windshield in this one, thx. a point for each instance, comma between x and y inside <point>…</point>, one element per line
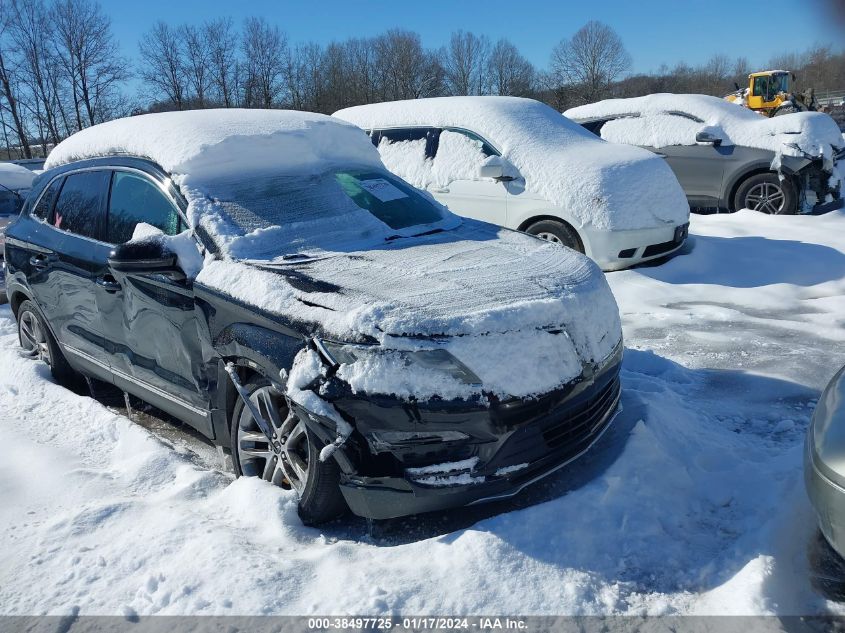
<point>276,216</point>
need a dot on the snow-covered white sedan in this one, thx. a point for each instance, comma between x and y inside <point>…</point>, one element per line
<point>518,163</point>
<point>726,156</point>
<point>261,276</point>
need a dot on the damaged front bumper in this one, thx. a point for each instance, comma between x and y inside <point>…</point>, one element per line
<point>412,457</point>
<point>820,186</point>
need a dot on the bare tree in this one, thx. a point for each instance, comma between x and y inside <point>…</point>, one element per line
<point>406,69</point>
<point>197,55</point>
<point>591,61</point>
<point>465,63</point>
<point>8,82</point>
<point>31,30</point>
<point>86,47</point>
<point>508,72</point>
<point>265,51</point>
<point>222,42</point>
<point>163,59</point>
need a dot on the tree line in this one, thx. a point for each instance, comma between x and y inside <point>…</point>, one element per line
<point>61,70</point>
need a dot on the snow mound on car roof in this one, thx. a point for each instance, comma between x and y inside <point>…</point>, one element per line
<point>602,185</point>
<point>208,143</point>
<point>791,134</point>
<point>15,177</point>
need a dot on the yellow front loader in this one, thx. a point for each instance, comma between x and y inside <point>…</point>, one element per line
<point>769,92</point>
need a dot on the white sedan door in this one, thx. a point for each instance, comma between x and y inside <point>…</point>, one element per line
<point>456,182</point>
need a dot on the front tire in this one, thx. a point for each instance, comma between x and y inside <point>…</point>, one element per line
<point>556,232</point>
<point>293,463</point>
<point>37,341</point>
<point>766,193</point>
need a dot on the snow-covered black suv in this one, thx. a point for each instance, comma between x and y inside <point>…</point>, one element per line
<point>261,276</point>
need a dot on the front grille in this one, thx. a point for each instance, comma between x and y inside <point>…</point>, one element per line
<point>563,432</point>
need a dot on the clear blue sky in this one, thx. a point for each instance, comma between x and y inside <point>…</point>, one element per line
<point>654,31</point>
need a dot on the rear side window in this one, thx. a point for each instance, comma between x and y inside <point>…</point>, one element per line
<point>45,204</point>
<point>79,209</point>
<point>135,200</point>
<point>424,137</point>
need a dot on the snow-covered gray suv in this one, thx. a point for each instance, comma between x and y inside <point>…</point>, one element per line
<point>726,156</point>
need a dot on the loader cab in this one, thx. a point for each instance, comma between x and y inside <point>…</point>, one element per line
<point>767,90</point>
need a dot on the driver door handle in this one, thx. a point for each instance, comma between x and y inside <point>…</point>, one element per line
<point>440,190</point>
<point>108,283</point>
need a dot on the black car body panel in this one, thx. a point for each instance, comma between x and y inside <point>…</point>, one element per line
<point>167,339</point>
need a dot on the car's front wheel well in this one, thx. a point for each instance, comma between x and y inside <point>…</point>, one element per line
<point>744,178</point>
<point>16,300</point>
<point>526,224</point>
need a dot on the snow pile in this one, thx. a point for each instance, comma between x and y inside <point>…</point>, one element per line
<point>480,291</point>
<point>691,503</point>
<point>602,185</point>
<point>184,246</point>
<point>15,177</point>
<point>211,143</point>
<point>654,121</point>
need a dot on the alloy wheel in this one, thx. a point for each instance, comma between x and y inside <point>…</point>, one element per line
<point>549,237</point>
<point>32,336</point>
<point>766,197</point>
<point>284,461</point>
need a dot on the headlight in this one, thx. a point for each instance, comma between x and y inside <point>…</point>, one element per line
<point>426,360</point>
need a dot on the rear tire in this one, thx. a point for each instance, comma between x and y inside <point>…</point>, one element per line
<point>766,193</point>
<point>37,341</point>
<point>556,232</point>
<point>320,499</point>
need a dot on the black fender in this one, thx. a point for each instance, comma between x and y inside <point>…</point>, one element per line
<point>257,350</point>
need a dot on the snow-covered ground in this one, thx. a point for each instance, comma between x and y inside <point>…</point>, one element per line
<point>692,503</point>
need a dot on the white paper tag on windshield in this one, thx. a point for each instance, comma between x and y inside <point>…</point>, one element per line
<point>382,189</point>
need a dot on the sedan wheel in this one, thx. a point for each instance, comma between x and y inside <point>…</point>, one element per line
<point>284,461</point>
<point>766,197</point>
<point>549,237</point>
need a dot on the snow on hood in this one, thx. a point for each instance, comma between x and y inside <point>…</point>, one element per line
<point>656,126</point>
<point>602,185</point>
<point>210,143</point>
<point>15,177</point>
<point>523,314</point>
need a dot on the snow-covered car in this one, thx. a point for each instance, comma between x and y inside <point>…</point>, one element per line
<point>728,157</point>
<point>261,276</point>
<point>15,181</point>
<point>518,163</point>
<point>824,462</point>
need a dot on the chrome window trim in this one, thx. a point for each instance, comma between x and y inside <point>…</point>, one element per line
<point>458,129</point>
<point>143,384</point>
<point>451,128</point>
<point>133,170</point>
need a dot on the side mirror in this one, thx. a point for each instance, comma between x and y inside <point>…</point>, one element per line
<point>707,137</point>
<point>497,168</point>
<point>150,255</point>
